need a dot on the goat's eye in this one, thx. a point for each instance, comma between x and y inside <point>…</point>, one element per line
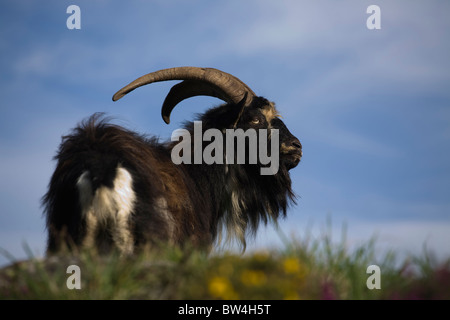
<point>255,121</point>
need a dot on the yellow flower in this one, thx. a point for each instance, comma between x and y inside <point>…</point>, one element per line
<point>221,287</point>
<point>291,295</point>
<point>253,278</point>
<point>291,265</point>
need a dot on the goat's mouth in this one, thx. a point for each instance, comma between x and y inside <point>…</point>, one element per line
<point>292,158</point>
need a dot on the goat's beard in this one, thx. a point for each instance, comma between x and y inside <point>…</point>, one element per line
<point>251,198</point>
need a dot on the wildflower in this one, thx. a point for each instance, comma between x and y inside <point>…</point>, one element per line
<point>221,287</point>
<point>253,278</point>
<point>291,295</point>
<point>328,292</point>
<point>291,265</point>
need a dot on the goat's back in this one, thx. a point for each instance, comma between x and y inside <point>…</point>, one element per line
<point>113,187</point>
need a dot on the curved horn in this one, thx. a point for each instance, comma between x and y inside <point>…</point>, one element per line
<point>197,81</point>
<point>188,89</point>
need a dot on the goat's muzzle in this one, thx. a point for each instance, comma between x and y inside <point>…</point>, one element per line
<point>292,153</point>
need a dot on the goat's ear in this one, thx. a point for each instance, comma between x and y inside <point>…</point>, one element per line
<point>237,110</point>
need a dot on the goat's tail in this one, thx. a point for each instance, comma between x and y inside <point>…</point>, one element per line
<point>90,197</point>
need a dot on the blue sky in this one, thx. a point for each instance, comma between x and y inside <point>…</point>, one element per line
<point>371,107</point>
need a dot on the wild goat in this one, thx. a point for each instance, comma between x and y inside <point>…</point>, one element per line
<point>114,188</point>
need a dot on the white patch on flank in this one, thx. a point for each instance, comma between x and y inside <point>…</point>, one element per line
<point>108,207</point>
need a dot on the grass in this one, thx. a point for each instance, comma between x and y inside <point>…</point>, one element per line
<point>305,269</point>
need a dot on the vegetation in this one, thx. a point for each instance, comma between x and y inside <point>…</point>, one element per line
<point>305,269</point>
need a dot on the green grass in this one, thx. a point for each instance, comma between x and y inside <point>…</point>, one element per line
<point>305,269</point>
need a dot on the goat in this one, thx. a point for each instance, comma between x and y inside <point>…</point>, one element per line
<point>114,188</point>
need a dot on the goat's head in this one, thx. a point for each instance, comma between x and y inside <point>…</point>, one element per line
<point>243,110</point>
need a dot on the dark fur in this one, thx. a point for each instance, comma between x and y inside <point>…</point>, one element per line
<point>198,196</point>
